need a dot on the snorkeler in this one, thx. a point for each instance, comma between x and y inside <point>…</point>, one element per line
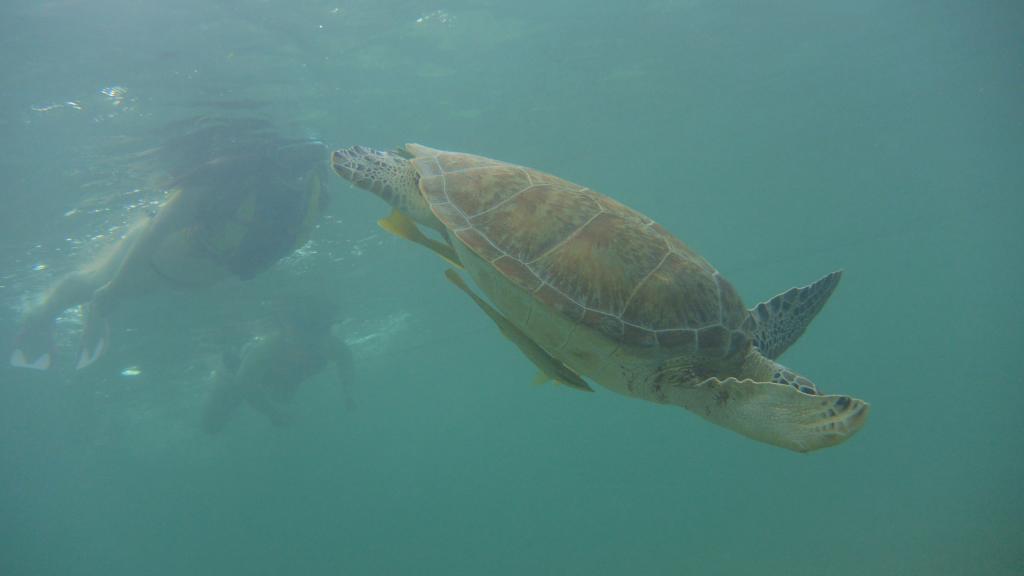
<point>268,370</point>
<point>233,215</point>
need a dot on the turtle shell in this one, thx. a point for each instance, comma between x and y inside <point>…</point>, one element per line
<point>584,255</point>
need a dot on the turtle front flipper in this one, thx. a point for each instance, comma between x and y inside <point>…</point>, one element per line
<point>776,414</point>
<point>780,321</point>
<point>402,226</point>
<point>550,367</point>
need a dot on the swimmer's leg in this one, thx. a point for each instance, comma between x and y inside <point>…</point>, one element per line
<point>134,275</point>
<point>96,331</point>
<point>34,343</point>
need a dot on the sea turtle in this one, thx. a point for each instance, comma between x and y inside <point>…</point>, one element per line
<point>586,286</point>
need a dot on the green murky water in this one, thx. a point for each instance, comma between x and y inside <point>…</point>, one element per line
<point>782,140</point>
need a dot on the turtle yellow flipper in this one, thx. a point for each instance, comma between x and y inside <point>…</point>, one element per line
<point>402,226</point>
<point>612,295</point>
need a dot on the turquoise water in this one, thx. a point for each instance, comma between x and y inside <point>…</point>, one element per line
<point>782,140</point>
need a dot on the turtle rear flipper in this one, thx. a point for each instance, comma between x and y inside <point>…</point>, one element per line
<point>402,226</point>
<point>777,414</point>
<point>780,321</point>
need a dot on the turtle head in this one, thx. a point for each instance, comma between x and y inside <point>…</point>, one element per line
<point>386,174</point>
<point>390,175</point>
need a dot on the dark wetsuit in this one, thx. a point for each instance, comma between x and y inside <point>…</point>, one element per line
<point>260,214</point>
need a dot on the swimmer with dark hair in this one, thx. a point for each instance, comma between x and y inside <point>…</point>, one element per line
<point>231,216</point>
<point>268,371</point>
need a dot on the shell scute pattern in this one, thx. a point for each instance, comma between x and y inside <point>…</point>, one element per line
<point>554,299</point>
<point>684,340</point>
<point>450,214</point>
<point>479,190</point>
<point>734,313</point>
<point>639,337</point>
<point>457,162</point>
<point>479,244</point>
<point>713,340</point>
<point>603,263</point>
<point>586,256</point>
<point>517,272</point>
<point>658,305</point>
<point>604,323</point>
<point>679,247</point>
<point>619,209</point>
<point>535,221</point>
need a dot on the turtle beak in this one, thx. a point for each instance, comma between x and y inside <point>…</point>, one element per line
<point>341,161</point>
<point>350,164</point>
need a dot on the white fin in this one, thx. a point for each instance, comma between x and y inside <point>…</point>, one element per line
<point>18,360</point>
